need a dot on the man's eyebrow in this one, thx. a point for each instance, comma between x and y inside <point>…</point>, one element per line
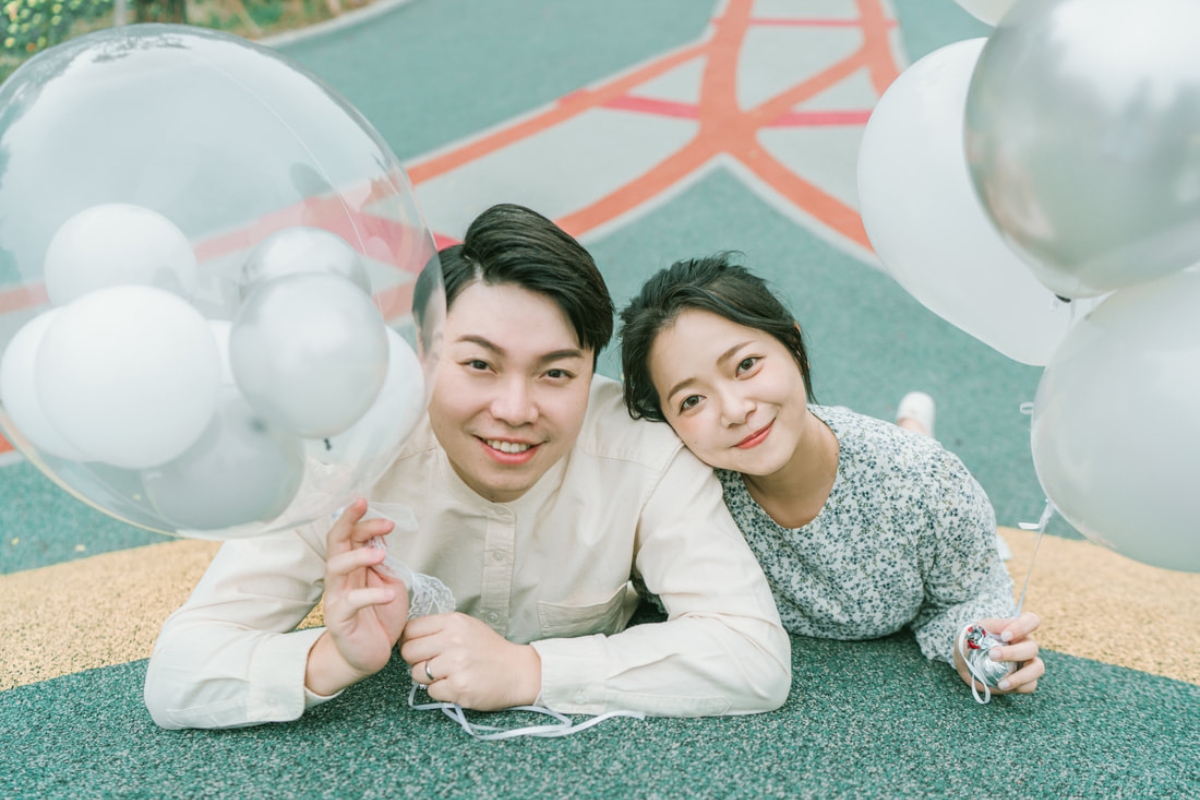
<point>482,342</point>
<point>559,355</point>
<point>555,355</point>
<point>721,359</point>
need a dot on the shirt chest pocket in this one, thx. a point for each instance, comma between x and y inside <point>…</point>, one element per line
<point>558,620</point>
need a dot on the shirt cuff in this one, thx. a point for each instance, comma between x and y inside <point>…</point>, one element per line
<point>573,674</point>
<point>277,691</point>
<point>312,699</point>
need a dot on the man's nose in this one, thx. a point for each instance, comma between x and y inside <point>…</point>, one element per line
<point>514,403</point>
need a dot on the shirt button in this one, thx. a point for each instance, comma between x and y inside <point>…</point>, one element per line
<point>497,555</point>
<point>493,617</point>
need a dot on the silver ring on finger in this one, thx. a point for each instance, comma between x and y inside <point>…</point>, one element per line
<point>429,674</point>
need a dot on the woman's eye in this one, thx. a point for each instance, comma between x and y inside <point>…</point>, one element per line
<point>747,363</point>
<point>689,402</point>
<point>477,364</point>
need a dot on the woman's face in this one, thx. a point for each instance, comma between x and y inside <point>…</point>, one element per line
<point>733,394</point>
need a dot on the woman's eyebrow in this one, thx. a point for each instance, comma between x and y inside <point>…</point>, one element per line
<point>721,359</point>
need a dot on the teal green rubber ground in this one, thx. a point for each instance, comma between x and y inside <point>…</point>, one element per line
<point>866,719</point>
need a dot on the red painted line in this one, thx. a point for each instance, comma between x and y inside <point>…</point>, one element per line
<point>659,108</point>
<point>818,119</point>
<point>440,241</point>
<point>5,446</point>
<point>28,296</point>
<point>395,303</point>
<point>379,238</point>
<point>785,22</point>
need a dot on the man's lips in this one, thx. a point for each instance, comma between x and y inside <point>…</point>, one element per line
<point>756,438</point>
<point>508,451</point>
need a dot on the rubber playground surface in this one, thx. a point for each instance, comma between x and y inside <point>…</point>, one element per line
<point>652,130</point>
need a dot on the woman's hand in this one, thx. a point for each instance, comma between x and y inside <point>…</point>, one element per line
<point>1019,647</point>
<point>470,664</point>
<point>365,608</point>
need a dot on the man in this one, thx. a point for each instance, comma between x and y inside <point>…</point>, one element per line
<point>539,503</point>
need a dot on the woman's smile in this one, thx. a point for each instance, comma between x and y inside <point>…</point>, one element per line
<point>756,438</point>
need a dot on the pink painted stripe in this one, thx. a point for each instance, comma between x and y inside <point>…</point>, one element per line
<point>782,22</point>
<point>817,119</point>
<point>5,446</point>
<point>647,105</point>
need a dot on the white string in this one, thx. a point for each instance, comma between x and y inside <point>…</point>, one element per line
<point>971,668</point>
<point>1040,527</point>
<point>561,727</point>
<point>428,595</point>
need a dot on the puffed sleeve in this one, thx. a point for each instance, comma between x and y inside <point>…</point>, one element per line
<point>229,656</point>
<point>722,649</point>
<point>965,579</point>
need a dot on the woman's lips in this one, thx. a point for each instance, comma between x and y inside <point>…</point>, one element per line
<point>756,438</point>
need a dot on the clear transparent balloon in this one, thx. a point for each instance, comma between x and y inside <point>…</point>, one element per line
<point>153,164</point>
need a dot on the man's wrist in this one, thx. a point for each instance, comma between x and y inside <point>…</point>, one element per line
<point>531,674</point>
<point>327,671</point>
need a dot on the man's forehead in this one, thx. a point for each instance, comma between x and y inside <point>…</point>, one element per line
<point>507,316</point>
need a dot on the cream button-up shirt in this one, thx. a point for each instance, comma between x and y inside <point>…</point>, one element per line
<point>554,568</point>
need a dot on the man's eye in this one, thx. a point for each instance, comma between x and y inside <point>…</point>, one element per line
<point>557,374</point>
<point>477,364</point>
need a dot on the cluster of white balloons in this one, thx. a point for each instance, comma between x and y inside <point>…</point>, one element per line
<point>210,356</point>
<point>123,369</point>
<point>1040,189</point>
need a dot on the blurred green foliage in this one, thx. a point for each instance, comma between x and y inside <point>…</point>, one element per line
<point>34,25</point>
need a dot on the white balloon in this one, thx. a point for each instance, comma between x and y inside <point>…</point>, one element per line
<point>220,330</point>
<point>989,11</point>
<point>927,225</point>
<point>129,375</point>
<point>117,244</point>
<point>389,420</point>
<point>18,390</point>
<point>240,471</point>
<point>1116,423</point>
<point>309,352</point>
<point>303,249</point>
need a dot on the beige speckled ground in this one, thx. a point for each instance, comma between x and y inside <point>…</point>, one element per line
<point>107,609</point>
<point>1100,605</point>
<point>95,612</point>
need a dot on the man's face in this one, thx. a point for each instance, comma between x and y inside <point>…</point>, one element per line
<point>511,390</point>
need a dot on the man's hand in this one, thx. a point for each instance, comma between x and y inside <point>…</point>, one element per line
<point>365,609</point>
<point>471,664</point>
<point>1020,647</point>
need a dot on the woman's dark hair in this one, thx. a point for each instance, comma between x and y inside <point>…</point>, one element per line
<point>711,284</point>
<point>511,244</point>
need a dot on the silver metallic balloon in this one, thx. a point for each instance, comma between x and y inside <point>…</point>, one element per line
<point>1082,129</point>
<point>309,352</point>
<point>242,470</point>
<point>303,249</point>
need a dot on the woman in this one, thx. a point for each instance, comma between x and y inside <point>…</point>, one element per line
<point>861,527</point>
